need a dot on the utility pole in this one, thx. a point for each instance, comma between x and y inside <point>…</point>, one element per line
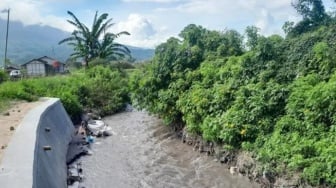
<point>5,64</point>
<point>6,10</point>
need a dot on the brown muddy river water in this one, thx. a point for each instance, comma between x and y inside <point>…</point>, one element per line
<point>144,153</point>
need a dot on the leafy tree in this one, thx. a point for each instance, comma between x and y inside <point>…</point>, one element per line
<point>288,27</point>
<point>232,44</point>
<point>87,43</point>
<point>276,98</point>
<point>313,13</point>
<point>310,9</point>
<point>252,37</point>
<point>166,55</point>
<point>212,41</point>
<point>193,34</point>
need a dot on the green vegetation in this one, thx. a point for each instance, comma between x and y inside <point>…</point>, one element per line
<point>86,43</point>
<point>100,89</point>
<point>275,97</point>
<point>272,96</point>
<point>3,76</point>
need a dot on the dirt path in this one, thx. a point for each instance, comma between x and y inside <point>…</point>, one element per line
<point>10,119</point>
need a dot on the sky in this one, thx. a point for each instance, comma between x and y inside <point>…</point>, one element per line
<point>151,22</point>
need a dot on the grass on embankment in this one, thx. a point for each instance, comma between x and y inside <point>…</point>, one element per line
<point>98,88</point>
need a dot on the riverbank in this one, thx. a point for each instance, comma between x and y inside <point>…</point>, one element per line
<point>238,163</point>
<point>241,163</point>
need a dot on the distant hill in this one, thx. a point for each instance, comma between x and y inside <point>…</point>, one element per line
<point>141,54</point>
<point>29,42</point>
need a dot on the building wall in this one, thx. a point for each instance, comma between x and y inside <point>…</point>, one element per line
<point>50,64</point>
<point>61,68</point>
<point>55,70</point>
<point>36,68</point>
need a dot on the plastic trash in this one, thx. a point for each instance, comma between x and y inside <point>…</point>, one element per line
<point>90,139</point>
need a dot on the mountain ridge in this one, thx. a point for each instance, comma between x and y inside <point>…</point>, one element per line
<point>33,41</point>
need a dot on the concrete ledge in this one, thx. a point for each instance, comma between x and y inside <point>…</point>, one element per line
<point>36,155</point>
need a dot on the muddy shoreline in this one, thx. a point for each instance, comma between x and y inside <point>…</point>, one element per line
<point>238,162</point>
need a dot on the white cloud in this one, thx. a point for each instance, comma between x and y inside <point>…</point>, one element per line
<point>159,19</point>
<point>265,22</point>
<point>268,15</point>
<point>201,7</point>
<point>31,12</point>
<point>142,31</point>
<point>152,1</point>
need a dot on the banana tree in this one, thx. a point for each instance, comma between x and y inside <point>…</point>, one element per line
<point>95,43</point>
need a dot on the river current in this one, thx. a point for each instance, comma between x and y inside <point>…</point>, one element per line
<point>143,153</point>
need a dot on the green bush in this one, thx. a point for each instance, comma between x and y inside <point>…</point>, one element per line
<point>277,100</point>
<point>99,89</point>
<point>3,76</point>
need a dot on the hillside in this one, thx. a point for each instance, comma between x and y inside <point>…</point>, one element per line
<point>29,42</point>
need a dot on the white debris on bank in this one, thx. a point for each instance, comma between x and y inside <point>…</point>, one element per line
<point>90,127</point>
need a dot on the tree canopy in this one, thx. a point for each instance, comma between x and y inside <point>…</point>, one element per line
<point>96,42</point>
<point>274,98</point>
<point>313,14</point>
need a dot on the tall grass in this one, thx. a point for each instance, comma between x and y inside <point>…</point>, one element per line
<point>100,89</point>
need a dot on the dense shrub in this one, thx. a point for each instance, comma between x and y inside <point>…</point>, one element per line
<point>106,90</point>
<point>98,88</point>
<point>277,100</point>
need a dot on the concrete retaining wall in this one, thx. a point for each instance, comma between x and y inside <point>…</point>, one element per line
<point>28,162</point>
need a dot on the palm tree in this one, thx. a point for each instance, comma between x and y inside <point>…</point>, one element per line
<point>95,43</point>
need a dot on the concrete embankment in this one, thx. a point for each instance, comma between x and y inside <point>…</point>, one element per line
<point>36,155</point>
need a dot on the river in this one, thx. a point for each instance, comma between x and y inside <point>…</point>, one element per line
<point>144,153</point>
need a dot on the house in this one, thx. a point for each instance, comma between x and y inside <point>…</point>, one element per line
<point>13,70</point>
<point>12,67</point>
<point>43,66</point>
